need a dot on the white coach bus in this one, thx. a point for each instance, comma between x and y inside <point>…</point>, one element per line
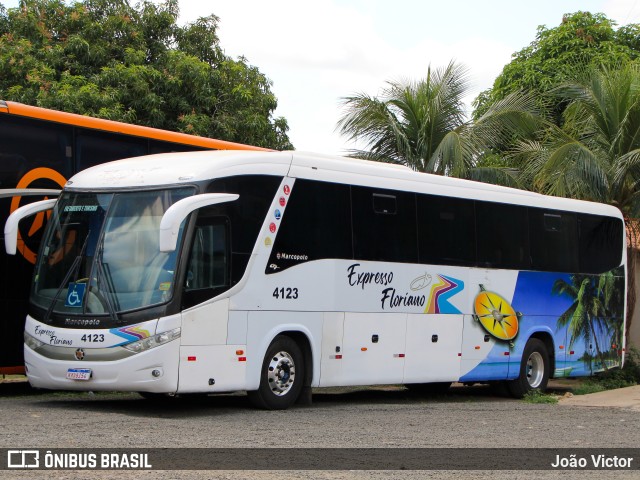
<point>275,272</point>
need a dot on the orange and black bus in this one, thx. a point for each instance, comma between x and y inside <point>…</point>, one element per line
<point>39,150</point>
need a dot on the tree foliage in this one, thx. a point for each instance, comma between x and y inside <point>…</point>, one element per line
<point>111,60</point>
<point>595,154</point>
<point>582,39</point>
<point>422,125</point>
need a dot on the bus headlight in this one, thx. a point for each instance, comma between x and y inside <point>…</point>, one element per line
<point>153,342</point>
<point>32,342</point>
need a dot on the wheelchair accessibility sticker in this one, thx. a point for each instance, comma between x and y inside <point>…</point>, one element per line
<point>75,294</point>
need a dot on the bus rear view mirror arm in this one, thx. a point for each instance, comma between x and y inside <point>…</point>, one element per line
<point>28,192</point>
<point>173,217</point>
<point>11,227</point>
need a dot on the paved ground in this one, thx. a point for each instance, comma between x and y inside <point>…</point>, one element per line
<point>381,417</point>
<point>626,398</point>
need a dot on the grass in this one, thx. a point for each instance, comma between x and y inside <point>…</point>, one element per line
<point>614,378</point>
<point>536,396</point>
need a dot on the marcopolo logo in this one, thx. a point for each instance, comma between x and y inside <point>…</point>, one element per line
<point>23,459</point>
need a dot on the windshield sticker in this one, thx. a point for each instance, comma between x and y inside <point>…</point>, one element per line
<point>272,227</point>
<point>75,295</point>
<point>277,214</point>
<point>165,286</point>
<point>287,190</point>
<point>282,201</point>
<point>81,208</point>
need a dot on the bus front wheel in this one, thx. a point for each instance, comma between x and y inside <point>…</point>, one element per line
<point>534,369</point>
<point>281,376</point>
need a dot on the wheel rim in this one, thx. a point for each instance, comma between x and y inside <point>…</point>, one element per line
<point>535,369</point>
<point>281,373</point>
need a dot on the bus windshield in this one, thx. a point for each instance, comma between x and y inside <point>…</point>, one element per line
<point>100,253</point>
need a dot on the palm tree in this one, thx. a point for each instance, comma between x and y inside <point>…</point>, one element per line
<point>595,154</point>
<point>422,125</point>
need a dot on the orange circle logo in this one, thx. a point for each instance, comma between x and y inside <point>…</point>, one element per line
<point>38,221</point>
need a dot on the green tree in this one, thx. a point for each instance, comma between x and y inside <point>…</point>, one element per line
<point>108,59</point>
<point>595,155</point>
<point>582,39</point>
<point>422,125</point>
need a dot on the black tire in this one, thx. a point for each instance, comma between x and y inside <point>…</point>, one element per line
<point>436,388</point>
<point>281,377</point>
<point>535,367</point>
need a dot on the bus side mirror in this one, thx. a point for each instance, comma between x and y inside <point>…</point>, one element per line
<point>11,227</point>
<point>176,213</point>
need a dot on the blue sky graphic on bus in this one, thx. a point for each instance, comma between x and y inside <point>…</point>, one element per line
<point>550,302</point>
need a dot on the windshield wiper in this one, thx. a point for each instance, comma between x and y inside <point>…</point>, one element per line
<point>110,292</point>
<point>72,269</point>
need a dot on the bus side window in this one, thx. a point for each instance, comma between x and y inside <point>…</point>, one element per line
<point>384,225</point>
<point>446,230</point>
<point>502,232</point>
<point>208,266</point>
<point>601,243</point>
<point>553,237</point>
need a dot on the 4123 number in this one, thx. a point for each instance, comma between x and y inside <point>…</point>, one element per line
<point>285,293</point>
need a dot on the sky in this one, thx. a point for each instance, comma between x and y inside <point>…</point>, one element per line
<point>318,52</point>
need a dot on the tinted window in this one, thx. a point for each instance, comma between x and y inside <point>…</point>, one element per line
<point>554,238</point>
<point>316,225</point>
<point>26,144</point>
<point>503,236</point>
<point>384,225</point>
<point>93,148</point>
<point>446,230</point>
<point>208,269</point>
<point>601,243</point>
<point>158,146</point>
<point>246,214</point>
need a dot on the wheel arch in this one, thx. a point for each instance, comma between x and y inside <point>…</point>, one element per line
<point>547,339</point>
<point>303,337</point>
<point>305,345</point>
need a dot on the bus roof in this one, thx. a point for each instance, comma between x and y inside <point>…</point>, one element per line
<point>15,108</point>
<point>189,167</point>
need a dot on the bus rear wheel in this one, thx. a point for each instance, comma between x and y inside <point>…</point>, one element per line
<point>534,369</point>
<point>281,376</point>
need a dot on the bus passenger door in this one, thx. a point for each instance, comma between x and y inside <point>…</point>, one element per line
<point>433,348</point>
<point>374,348</point>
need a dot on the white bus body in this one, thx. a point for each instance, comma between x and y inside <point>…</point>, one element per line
<point>275,272</point>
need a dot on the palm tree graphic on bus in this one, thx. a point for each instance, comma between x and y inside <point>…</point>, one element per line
<point>496,315</point>
<point>595,315</point>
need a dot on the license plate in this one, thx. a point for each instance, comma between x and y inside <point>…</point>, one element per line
<point>79,373</point>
